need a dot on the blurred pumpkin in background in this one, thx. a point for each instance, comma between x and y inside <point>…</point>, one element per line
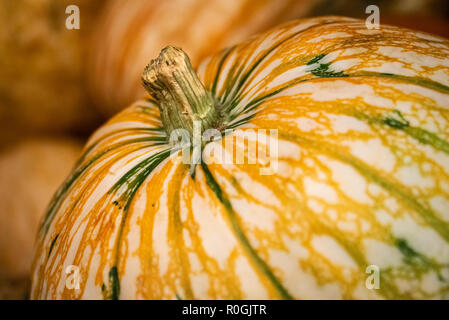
<point>131,31</point>
<point>30,172</point>
<point>42,68</point>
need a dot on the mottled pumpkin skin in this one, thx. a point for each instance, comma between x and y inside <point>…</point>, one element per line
<point>362,179</point>
<point>131,31</point>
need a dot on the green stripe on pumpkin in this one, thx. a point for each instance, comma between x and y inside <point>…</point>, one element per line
<point>111,291</point>
<point>52,245</point>
<point>386,183</point>
<point>131,180</point>
<point>262,266</point>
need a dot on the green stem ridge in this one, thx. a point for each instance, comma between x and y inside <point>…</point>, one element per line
<point>181,97</point>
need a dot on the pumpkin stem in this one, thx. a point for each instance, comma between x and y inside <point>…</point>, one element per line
<point>182,98</point>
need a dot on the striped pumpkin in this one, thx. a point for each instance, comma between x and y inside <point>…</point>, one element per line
<point>356,205</point>
<point>130,31</point>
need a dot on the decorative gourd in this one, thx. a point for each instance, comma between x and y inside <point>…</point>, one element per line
<point>130,31</point>
<point>356,205</point>
<point>42,68</point>
<point>30,172</point>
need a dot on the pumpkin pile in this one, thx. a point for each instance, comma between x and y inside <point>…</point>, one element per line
<point>359,184</point>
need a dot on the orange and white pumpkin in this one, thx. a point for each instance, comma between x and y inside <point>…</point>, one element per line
<point>356,205</point>
<point>130,31</point>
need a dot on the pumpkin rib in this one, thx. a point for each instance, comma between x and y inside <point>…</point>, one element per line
<point>153,162</point>
<point>426,83</point>
<point>149,136</point>
<point>59,195</point>
<point>63,189</point>
<point>94,144</point>
<point>86,192</point>
<point>421,135</point>
<point>48,262</point>
<point>178,226</point>
<point>388,290</point>
<point>261,265</point>
<point>426,213</point>
<point>254,103</point>
<point>112,290</point>
<point>255,64</point>
<point>267,52</point>
<point>219,68</point>
<point>426,137</point>
<point>354,251</point>
<point>393,240</point>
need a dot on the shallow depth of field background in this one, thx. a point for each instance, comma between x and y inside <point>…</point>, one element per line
<point>58,85</point>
